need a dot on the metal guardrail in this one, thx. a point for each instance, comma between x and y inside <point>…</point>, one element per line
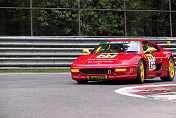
<point>52,52</point>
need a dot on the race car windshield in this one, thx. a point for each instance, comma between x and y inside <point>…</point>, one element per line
<point>118,47</point>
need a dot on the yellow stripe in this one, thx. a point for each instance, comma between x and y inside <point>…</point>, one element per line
<point>120,69</point>
<point>150,69</point>
<point>149,55</point>
<point>151,75</point>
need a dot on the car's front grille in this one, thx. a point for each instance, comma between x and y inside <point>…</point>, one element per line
<point>97,71</point>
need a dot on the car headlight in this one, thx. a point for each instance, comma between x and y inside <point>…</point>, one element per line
<point>74,70</point>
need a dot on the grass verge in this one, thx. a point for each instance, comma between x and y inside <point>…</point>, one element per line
<point>34,70</point>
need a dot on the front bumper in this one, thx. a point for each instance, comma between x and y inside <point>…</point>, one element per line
<point>129,74</point>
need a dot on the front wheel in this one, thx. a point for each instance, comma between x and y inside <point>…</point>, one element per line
<point>170,71</point>
<point>141,72</point>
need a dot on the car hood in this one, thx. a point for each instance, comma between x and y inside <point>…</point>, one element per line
<point>108,59</point>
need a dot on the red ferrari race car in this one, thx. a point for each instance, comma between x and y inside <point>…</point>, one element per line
<point>124,60</point>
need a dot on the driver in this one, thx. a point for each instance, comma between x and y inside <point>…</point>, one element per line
<point>116,48</point>
<point>145,46</point>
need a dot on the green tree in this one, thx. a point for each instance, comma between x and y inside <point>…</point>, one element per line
<point>53,21</point>
<point>14,21</point>
<point>96,17</point>
<point>148,23</point>
<point>102,23</point>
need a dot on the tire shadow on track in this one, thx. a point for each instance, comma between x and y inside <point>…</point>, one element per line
<point>118,82</point>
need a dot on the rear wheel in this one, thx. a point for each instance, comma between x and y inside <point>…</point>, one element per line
<point>141,72</point>
<point>170,71</point>
<point>82,81</point>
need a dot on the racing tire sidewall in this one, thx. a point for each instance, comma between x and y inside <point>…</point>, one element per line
<point>169,78</point>
<point>139,79</point>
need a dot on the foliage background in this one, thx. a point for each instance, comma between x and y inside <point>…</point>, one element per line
<point>97,18</point>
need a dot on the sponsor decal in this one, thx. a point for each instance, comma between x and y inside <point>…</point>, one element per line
<point>121,42</point>
<point>151,60</point>
<point>144,56</point>
<point>96,77</point>
<point>109,71</point>
<point>100,60</point>
<point>106,55</point>
<point>158,92</point>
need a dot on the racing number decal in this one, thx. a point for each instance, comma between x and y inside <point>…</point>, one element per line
<point>151,60</point>
<point>106,56</point>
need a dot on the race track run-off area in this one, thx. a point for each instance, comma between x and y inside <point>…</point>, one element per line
<point>165,92</point>
<point>56,95</point>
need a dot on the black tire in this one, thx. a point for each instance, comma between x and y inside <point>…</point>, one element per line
<point>170,71</point>
<point>140,73</point>
<point>82,81</point>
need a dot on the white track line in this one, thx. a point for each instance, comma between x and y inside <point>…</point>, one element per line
<point>128,92</point>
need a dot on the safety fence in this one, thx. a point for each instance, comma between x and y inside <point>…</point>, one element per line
<point>56,52</point>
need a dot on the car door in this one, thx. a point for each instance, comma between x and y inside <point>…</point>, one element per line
<point>155,58</point>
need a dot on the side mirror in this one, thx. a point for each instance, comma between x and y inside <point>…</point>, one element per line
<point>168,42</point>
<point>149,50</point>
<point>86,50</point>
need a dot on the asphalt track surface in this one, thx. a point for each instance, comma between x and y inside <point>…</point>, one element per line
<point>58,96</point>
